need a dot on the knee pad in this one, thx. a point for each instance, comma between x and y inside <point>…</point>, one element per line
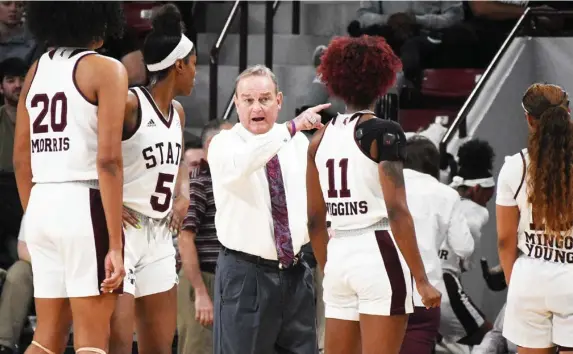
<point>42,347</point>
<point>91,350</point>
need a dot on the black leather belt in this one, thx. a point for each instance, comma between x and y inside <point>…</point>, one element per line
<point>262,261</point>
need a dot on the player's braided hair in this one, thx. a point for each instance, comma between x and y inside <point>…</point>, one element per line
<point>74,23</point>
<point>550,148</point>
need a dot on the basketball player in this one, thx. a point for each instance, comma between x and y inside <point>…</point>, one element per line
<point>534,218</point>
<point>68,166</point>
<point>152,150</point>
<point>462,322</point>
<point>355,174</point>
<point>435,208</point>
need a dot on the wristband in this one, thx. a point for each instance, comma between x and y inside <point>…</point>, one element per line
<point>292,128</point>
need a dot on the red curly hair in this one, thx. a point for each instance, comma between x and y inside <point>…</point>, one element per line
<point>358,70</point>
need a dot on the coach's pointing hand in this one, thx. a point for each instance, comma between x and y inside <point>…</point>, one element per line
<point>309,119</point>
<point>431,297</point>
<point>114,271</point>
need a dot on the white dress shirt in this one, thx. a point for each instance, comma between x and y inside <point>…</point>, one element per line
<point>237,160</point>
<point>437,219</point>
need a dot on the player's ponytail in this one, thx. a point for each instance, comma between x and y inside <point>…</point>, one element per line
<point>550,148</point>
<point>166,42</point>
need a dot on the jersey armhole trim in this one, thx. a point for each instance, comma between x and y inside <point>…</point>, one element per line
<point>522,176</point>
<point>76,82</point>
<point>33,77</point>
<point>139,117</point>
<point>320,140</point>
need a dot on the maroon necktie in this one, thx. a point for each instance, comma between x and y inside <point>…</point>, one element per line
<point>283,241</point>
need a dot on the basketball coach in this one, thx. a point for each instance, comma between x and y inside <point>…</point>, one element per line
<point>264,293</point>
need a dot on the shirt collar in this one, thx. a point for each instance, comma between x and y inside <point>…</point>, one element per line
<point>244,133</point>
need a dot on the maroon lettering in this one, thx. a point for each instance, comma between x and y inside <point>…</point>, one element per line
<point>58,122</point>
<point>157,154</point>
<point>549,247</point>
<point>344,192</point>
<point>347,208</point>
<point>164,189</point>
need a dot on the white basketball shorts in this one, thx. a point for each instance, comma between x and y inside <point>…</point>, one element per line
<point>539,310</point>
<point>460,317</point>
<point>366,274</point>
<point>67,236</point>
<point>149,257</point>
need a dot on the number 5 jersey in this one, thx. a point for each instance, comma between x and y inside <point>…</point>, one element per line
<point>151,158</point>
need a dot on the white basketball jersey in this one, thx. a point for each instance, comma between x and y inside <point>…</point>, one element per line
<point>476,217</point>
<point>531,238</point>
<point>63,124</point>
<point>151,158</point>
<point>348,178</point>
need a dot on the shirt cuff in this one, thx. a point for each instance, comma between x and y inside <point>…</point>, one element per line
<point>506,202</point>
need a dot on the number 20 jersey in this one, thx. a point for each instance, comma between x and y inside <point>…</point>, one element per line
<point>348,178</point>
<point>63,123</point>
<point>151,158</point>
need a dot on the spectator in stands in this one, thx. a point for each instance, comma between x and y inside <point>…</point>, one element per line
<point>492,21</point>
<point>199,249</point>
<point>194,152</point>
<point>317,93</point>
<point>192,157</point>
<point>15,40</point>
<point>16,298</point>
<point>416,30</point>
<point>435,209</point>
<point>12,72</point>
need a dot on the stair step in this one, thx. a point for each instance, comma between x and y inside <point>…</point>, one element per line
<point>294,82</point>
<point>316,17</point>
<point>288,49</point>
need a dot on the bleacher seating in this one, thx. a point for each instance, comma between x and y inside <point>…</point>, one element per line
<point>450,83</point>
<point>414,119</point>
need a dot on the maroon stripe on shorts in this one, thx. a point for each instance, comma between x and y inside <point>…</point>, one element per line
<point>101,236</point>
<point>394,270</point>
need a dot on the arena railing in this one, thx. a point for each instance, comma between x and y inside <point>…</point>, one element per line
<point>459,124</point>
<point>527,25</point>
<point>242,6</point>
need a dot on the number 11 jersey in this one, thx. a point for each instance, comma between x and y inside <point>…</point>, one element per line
<point>348,178</point>
<point>151,158</point>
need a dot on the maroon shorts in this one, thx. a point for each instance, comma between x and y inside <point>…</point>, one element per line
<point>422,331</point>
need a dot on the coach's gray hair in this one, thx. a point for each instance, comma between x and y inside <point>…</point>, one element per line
<point>257,70</point>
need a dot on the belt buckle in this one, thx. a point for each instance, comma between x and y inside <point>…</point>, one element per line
<point>294,262</point>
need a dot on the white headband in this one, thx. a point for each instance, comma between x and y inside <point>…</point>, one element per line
<point>482,182</point>
<point>181,50</point>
